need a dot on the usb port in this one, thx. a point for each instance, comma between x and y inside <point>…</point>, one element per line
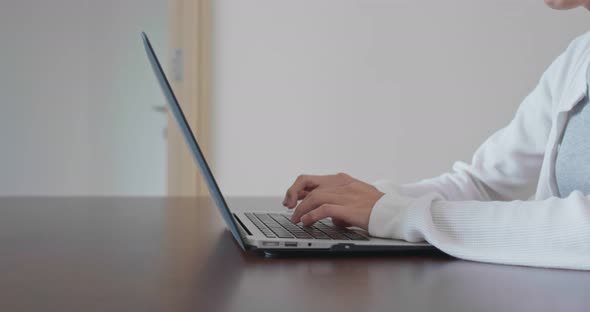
<point>291,244</point>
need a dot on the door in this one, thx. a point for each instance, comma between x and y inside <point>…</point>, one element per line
<point>127,132</point>
<point>190,43</point>
<point>77,97</point>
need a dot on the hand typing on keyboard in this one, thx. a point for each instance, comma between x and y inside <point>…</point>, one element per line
<point>346,200</point>
<point>275,225</point>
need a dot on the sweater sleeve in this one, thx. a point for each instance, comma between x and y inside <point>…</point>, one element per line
<point>552,233</point>
<point>507,165</point>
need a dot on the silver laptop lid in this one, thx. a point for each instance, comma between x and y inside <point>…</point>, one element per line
<point>191,141</point>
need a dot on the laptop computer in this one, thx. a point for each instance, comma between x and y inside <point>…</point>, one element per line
<point>270,230</point>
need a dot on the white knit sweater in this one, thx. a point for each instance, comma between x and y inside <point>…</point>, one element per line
<point>480,211</point>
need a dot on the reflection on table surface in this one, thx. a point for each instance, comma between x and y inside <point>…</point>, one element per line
<point>175,254</point>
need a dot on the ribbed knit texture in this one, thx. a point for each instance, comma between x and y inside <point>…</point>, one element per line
<point>549,233</point>
<point>482,210</point>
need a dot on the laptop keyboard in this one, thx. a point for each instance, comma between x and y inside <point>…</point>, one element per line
<point>274,225</point>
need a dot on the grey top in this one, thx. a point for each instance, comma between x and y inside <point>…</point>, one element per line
<point>572,167</point>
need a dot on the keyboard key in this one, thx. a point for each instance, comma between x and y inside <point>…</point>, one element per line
<point>317,234</point>
<point>302,235</point>
<point>284,235</point>
<point>336,235</point>
<point>263,228</point>
<point>271,224</point>
<point>355,236</point>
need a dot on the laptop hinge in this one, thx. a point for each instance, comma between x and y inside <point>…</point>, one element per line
<point>242,224</point>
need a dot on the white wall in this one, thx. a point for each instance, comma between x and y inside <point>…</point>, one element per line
<point>128,150</point>
<point>76,93</point>
<point>376,88</point>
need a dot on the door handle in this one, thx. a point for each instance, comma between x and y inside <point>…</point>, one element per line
<point>160,108</point>
<point>163,109</point>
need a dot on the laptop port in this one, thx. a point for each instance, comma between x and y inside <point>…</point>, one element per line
<point>291,244</point>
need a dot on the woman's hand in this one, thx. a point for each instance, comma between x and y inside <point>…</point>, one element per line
<point>346,200</point>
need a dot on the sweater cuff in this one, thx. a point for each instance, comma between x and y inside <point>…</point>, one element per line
<point>388,216</point>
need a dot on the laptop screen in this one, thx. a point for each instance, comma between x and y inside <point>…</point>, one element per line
<point>191,141</point>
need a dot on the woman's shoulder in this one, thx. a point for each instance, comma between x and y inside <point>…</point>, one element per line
<point>580,42</point>
<point>565,69</point>
<point>565,78</point>
<point>578,48</point>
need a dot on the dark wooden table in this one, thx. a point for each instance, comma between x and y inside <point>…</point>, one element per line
<point>154,254</point>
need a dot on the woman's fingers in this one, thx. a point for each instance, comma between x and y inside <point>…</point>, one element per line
<point>307,183</point>
<point>300,188</point>
<point>314,200</point>
<point>337,212</point>
<point>339,223</point>
<point>346,200</point>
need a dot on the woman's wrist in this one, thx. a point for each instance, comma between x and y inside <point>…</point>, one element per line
<point>388,216</point>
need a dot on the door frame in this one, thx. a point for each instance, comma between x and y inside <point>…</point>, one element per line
<point>190,44</point>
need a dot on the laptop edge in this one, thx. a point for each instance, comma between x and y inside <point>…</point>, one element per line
<point>243,230</point>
